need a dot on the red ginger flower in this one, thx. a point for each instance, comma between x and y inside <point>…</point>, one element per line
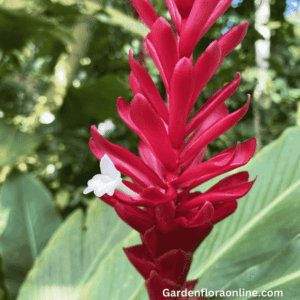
<point>174,220</point>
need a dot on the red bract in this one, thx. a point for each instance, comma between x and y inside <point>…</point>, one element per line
<point>172,220</point>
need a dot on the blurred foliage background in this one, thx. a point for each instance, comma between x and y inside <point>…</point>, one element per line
<point>63,63</point>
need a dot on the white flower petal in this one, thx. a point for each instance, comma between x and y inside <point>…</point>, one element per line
<point>107,188</point>
<point>102,184</point>
<point>108,168</point>
<point>105,127</point>
<point>87,190</point>
<point>100,191</point>
<point>95,180</point>
<point>108,181</point>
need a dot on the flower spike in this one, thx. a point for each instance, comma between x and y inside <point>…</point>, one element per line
<point>158,203</point>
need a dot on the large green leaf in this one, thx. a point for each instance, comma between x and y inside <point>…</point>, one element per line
<point>31,221</point>
<point>84,260</point>
<point>14,143</point>
<point>265,221</point>
<point>280,273</point>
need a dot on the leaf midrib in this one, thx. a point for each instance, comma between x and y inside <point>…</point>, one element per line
<point>29,227</point>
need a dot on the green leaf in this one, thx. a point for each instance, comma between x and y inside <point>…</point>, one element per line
<point>112,16</point>
<point>95,101</point>
<point>30,6</point>
<point>280,273</point>
<point>15,35</point>
<point>4,213</point>
<point>116,17</point>
<point>15,143</point>
<point>3,291</point>
<point>265,221</point>
<point>31,221</point>
<point>85,260</point>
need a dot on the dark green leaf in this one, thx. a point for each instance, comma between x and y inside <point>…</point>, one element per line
<point>95,101</point>
<point>18,27</point>
<point>3,291</point>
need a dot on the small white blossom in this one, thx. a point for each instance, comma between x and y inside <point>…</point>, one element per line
<point>108,181</point>
<point>47,118</point>
<point>105,127</point>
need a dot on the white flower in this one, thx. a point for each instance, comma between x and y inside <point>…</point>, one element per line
<point>108,181</point>
<point>105,127</point>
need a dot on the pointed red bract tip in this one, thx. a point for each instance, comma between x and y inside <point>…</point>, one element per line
<point>146,11</point>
